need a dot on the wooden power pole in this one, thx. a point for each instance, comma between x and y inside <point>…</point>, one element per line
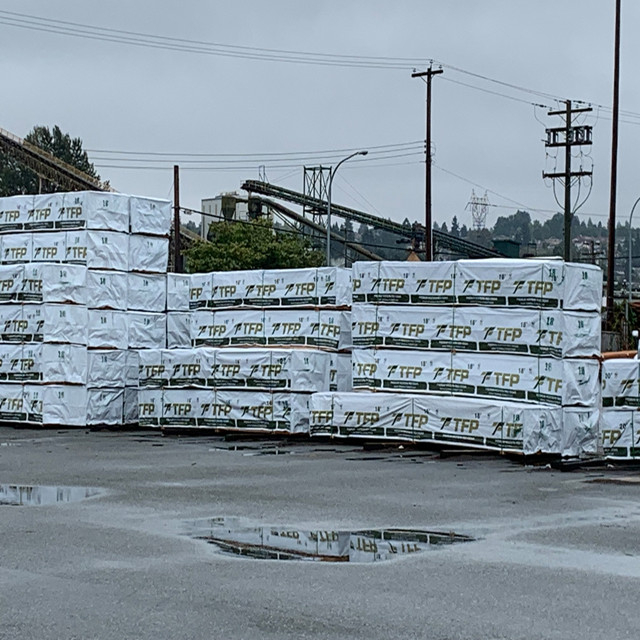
<point>428,222</point>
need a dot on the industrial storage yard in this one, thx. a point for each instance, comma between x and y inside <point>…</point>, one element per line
<point>327,326</point>
<point>404,419</point>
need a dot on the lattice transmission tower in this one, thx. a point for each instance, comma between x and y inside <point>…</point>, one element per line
<point>479,207</point>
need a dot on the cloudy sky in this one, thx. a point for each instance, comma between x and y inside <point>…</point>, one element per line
<point>174,93</point>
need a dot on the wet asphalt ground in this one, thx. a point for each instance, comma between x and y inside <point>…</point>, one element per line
<point>557,554</point>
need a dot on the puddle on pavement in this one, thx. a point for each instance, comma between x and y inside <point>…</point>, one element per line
<point>29,496</point>
<point>235,537</point>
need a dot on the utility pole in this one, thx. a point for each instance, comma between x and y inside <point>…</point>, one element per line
<point>177,258</point>
<point>611,244</point>
<point>568,136</point>
<point>428,224</point>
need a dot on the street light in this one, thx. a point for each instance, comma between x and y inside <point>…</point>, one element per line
<point>332,173</point>
<point>630,253</point>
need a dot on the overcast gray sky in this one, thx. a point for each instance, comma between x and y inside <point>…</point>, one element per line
<point>126,98</point>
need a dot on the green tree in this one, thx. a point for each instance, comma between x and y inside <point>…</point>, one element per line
<point>254,245</point>
<point>16,179</point>
<point>455,227</point>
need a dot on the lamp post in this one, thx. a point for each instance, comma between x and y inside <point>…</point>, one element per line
<point>630,254</point>
<point>332,173</point>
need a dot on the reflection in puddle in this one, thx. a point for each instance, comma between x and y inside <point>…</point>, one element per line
<point>232,536</point>
<point>26,495</point>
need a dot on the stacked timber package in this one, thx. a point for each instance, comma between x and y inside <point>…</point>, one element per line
<point>246,349</point>
<point>83,288</point>
<point>495,354</point>
<point>620,428</point>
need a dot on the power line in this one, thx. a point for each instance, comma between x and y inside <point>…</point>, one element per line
<point>371,148</point>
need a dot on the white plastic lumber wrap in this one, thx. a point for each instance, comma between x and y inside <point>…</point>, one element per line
<point>225,409</point>
<point>12,283</point>
<point>48,247</point>
<point>12,403</point>
<point>491,282</point>
<point>495,425</point>
<point>149,216</point>
<point>620,433</point>
<point>57,363</point>
<point>147,292</point>
<point>108,329</point>
<point>509,330</point>
<point>106,368</point>
<point>526,378</point>
<point>56,404</point>
<point>178,329</point>
<point>291,369</point>
<point>147,330</point>
<point>130,411</point>
<point>105,406</point>
<point>178,290</point>
<point>580,431</point>
<point>621,383</point>
<point>95,210</point>
<point>133,367</point>
<point>43,323</point>
<point>98,249</point>
<point>64,283</point>
<point>17,247</point>
<point>107,289</point>
<point>404,282</point>
<point>10,356</point>
<point>14,212</point>
<point>149,254</point>
<point>304,327</point>
<point>324,286</point>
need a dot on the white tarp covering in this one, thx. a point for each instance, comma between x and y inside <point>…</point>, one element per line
<point>45,211</point>
<point>580,431</point>
<point>11,282</point>
<point>12,403</point>
<point>300,370</point>
<point>106,368</point>
<point>59,363</point>
<point>95,210</point>
<point>105,407</point>
<point>17,247</point>
<point>620,433</point>
<point>147,330</point>
<point>239,288</point>
<point>48,323</point>
<point>149,407</point>
<point>106,289</point>
<point>621,383</point>
<point>150,215</point>
<point>108,250</point>
<point>149,254</point>
<point>527,378</point>
<point>178,329</point>
<point>14,212</point>
<point>48,247</point>
<point>10,354</point>
<point>45,282</point>
<point>56,404</point>
<point>12,327</point>
<point>133,365</point>
<point>130,412</point>
<point>255,411</point>
<point>108,329</point>
<point>147,292</point>
<point>404,282</point>
<point>152,371</point>
<point>178,289</point>
<point>490,282</point>
<point>200,290</point>
<point>478,423</point>
<point>334,286</point>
